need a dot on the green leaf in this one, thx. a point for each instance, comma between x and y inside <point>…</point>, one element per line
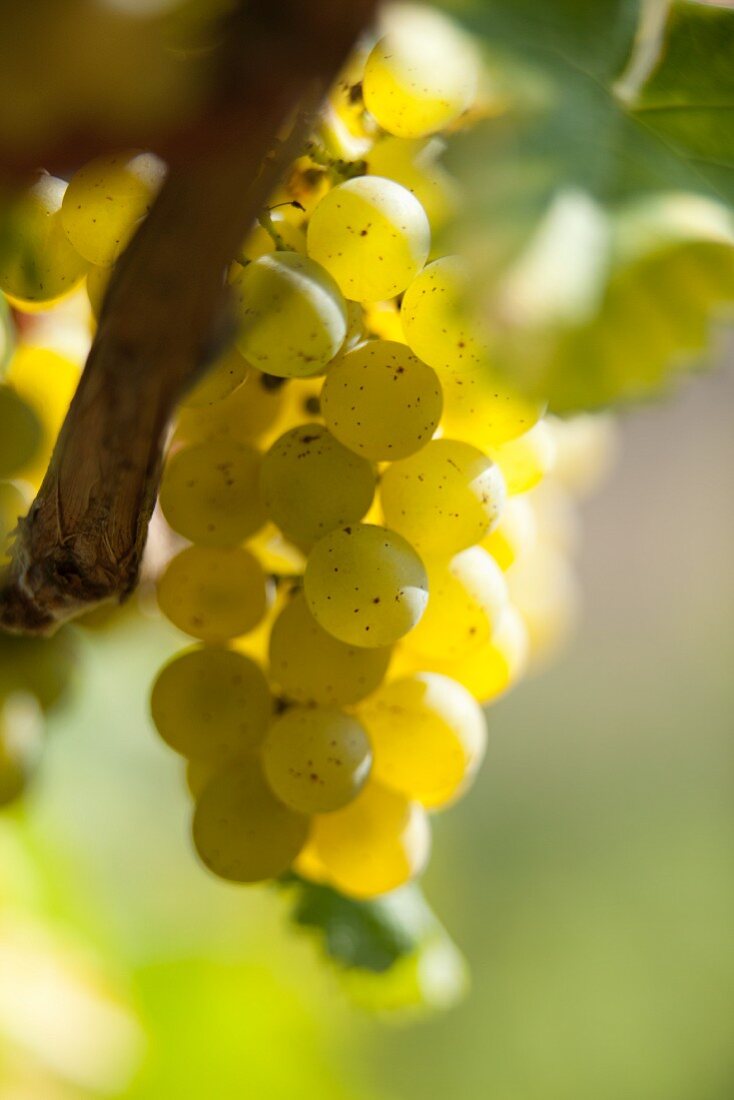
<point>391,952</point>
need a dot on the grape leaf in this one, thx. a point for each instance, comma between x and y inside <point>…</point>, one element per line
<point>391,952</point>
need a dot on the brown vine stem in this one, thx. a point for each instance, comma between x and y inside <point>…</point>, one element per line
<point>165,314</point>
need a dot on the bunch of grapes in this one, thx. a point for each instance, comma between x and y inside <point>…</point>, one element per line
<point>375,528</point>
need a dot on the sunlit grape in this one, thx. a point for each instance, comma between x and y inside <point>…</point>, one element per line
<point>372,235</point>
<point>365,585</point>
<point>525,461</point>
<point>316,759</point>
<point>381,401</point>
<point>514,535</point>
<point>214,594</point>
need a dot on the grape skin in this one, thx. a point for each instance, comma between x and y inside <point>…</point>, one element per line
<point>311,484</point>
<point>220,380</point>
<point>241,831</point>
<point>316,759</point>
<point>443,499</point>
<point>428,736</point>
<point>20,432</point>
<point>365,585</point>
<point>214,594</point>
<point>381,401</point>
<point>292,316</point>
<point>311,666</point>
<point>372,235</point>
<point>210,492</point>
<point>211,704</point>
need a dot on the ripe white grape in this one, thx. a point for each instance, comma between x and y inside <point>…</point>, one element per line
<point>311,484</point>
<point>220,380</point>
<point>210,492</point>
<point>247,414</point>
<point>292,315</point>
<point>211,703</point>
<point>414,164</point>
<point>515,534</point>
<point>428,736</point>
<point>526,460</point>
<point>98,279</point>
<point>492,670</point>
<point>420,77</point>
<point>372,235</point>
<point>375,844</point>
<point>20,432</point>
<point>37,262</point>
<point>381,401</point>
<point>241,831</point>
<point>365,585</point>
<point>467,597</point>
<point>444,498</point>
<point>106,200</point>
<point>316,759</point>
<point>214,594</point>
<point>311,666</point>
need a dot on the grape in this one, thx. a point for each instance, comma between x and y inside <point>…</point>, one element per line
<point>467,597</point>
<point>20,432</point>
<point>444,498</point>
<point>492,670</point>
<point>211,703</point>
<point>293,318</point>
<point>105,201</point>
<point>421,78</point>
<point>210,492</point>
<point>98,279</point>
<point>241,831</point>
<point>585,446</point>
<point>260,242</point>
<point>525,461</point>
<point>21,736</point>
<point>365,585</point>
<point>428,736</point>
<point>311,666</point>
<point>514,535</point>
<point>246,415</point>
<point>37,263</point>
<point>214,594</point>
<point>414,165</point>
<point>373,845</point>
<point>311,484</point>
<point>381,401</point>
<point>372,235</point>
<point>220,380</point>
<point>46,381</point>
<point>316,759</point>
<point>13,505</point>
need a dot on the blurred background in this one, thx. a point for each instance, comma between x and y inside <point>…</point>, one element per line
<point>587,878</point>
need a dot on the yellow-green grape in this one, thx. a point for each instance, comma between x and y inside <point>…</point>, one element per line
<point>372,235</point>
<point>525,461</point>
<point>311,666</point>
<point>492,670</point>
<point>46,381</point>
<point>211,703</point>
<point>21,736</point>
<point>428,737</point>
<point>382,321</point>
<point>375,844</point>
<point>241,831</point>
<point>316,759</point>
<point>544,590</point>
<point>260,242</point>
<point>98,279</point>
<point>247,414</point>
<point>438,322</point>
<point>222,378</point>
<point>421,77</point>
<point>20,432</point>
<point>585,448</point>
<point>311,484</point>
<point>276,554</point>
<point>365,585</point>
<point>214,594</point>
<point>37,263</point>
<point>381,401</point>
<point>13,504</point>
<point>466,598</point>
<point>356,332</point>
<point>414,164</point>
<point>514,535</point>
<point>444,498</point>
<point>105,201</point>
<point>210,492</point>
<point>292,316</point>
